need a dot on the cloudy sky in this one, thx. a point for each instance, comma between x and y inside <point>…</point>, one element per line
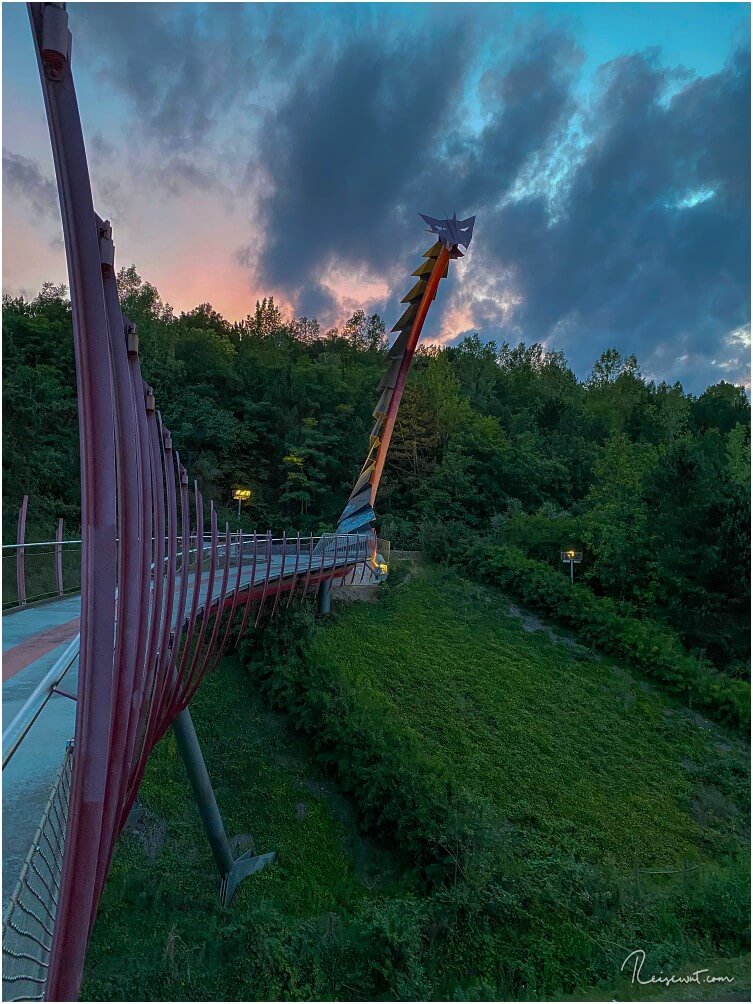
<point>243,150</point>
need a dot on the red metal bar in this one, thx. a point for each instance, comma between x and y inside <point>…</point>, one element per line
<point>333,570</point>
<point>181,626</point>
<point>59,558</point>
<point>142,585</point>
<point>209,656</point>
<point>250,593</point>
<point>151,681</point>
<point>171,567</point>
<point>266,578</point>
<point>165,654</point>
<point>205,610</point>
<point>342,569</point>
<point>236,591</point>
<point>152,493</point>
<point>295,570</point>
<point>20,559</point>
<point>127,608</point>
<point>347,558</point>
<point>363,571</point>
<point>163,674</point>
<point>156,718</point>
<point>282,572</point>
<point>98,517</point>
<point>308,570</point>
<point>321,562</point>
<point>191,628</point>
<point>355,564</point>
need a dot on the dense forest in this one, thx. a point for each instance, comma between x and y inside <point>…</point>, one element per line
<point>650,482</point>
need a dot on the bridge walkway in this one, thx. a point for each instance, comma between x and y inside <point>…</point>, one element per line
<point>36,638</point>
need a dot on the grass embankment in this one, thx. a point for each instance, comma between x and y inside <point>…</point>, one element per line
<point>161,933</point>
<point>555,812</point>
<point>562,742</point>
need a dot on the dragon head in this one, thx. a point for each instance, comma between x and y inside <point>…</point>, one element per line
<point>451,232</point>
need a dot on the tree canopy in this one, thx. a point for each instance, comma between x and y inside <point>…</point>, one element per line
<point>651,482</point>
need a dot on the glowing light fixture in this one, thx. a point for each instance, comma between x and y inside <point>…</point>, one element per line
<point>241,495</point>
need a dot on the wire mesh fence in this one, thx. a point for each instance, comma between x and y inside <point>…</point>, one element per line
<point>29,920</point>
<point>271,554</point>
<point>33,572</point>
<point>39,571</point>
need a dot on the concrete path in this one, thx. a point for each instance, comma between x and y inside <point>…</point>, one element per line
<point>34,632</point>
<point>28,778</point>
<point>33,641</point>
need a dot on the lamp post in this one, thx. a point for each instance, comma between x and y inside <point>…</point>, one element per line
<point>241,495</point>
<point>574,558</point>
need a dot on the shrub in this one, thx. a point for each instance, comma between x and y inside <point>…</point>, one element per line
<point>439,541</point>
<point>506,914</point>
<point>602,622</point>
<point>402,534</point>
<point>396,792</point>
<point>541,536</point>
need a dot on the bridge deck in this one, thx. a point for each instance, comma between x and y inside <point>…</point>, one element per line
<point>35,637</point>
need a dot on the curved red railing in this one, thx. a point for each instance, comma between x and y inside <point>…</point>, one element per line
<point>151,626</point>
<point>152,622</point>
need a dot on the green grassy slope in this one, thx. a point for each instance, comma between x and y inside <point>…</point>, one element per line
<point>588,816</point>
<point>561,741</point>
<point>161,933</point>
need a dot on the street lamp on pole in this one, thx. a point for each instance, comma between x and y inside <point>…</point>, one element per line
<point>574,558</point>
<point>241,495</point>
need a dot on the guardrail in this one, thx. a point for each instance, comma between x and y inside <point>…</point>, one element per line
<point>40,570</point>
<point>311,556</point>
<point>267,568</point>
<point>15,732</point>
<point>44,570</point>
<point>29,920</point>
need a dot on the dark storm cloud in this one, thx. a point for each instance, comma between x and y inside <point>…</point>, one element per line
<point>356,150</point>
<point>22,177</point>
<point>351,154</point>
<point>531,104</point>
<point>315,300</point>
<point>641,254</point>
<point>611,213</point>
<point>180,67</point>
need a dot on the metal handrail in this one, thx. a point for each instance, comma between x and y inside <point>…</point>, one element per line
<point>206,536</point>
<point>15,733</point>
<point>40,543</point>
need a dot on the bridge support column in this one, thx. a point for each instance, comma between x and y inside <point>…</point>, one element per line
<point>232,871</point>
<point>323,597</point>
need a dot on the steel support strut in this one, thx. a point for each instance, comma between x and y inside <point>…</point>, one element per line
<point>232,871</point>
<point>323,598</point>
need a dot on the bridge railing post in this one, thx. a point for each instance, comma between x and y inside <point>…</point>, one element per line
<point>20,555</point>
<point>59,558</point>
